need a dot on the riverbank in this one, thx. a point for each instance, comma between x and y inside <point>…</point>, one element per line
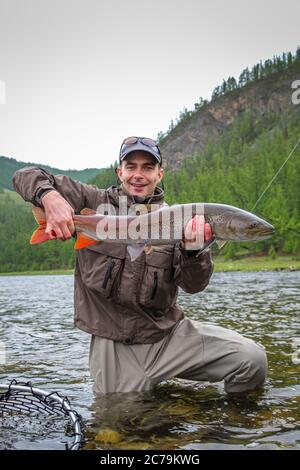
<point>39,273</point>
<point>258,263</point>
<point>253,263</point>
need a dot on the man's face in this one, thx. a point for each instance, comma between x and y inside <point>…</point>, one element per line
<point>140,173</point>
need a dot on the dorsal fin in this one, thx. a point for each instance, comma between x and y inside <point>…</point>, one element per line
<point>87,211</point>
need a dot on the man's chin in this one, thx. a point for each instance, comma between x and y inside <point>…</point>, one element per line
<point>143,192</point>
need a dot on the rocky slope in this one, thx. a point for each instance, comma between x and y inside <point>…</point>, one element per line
<point>273,93</point>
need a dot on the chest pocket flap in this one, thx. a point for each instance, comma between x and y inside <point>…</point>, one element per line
<point>101,267</point>
<point>158,290</point>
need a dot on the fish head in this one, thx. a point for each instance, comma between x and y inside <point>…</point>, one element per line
<point>245,226</point>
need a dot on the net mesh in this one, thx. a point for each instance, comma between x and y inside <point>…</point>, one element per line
<point>33,418</point>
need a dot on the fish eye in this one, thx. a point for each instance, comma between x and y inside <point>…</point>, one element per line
<point>254,224</point>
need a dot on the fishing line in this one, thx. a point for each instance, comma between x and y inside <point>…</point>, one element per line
<point>272,180</point>
<point>289,156</point>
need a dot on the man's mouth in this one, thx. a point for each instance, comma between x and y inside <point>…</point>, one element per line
<point>138,185</point>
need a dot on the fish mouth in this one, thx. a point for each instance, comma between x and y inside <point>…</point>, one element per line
<point>267,233</point>
<point>270,230</point>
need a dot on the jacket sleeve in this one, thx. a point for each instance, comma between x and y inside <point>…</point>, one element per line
<point>192,273</point>
<point>30,180</point>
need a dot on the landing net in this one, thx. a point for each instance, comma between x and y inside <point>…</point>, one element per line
<point>32,418</point>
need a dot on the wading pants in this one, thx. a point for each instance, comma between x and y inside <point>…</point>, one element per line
<point>193,351</point>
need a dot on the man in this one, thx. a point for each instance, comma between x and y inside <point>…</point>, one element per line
<point>139,334</point>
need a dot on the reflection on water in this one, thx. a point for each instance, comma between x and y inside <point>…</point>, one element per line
<point>42,345</point>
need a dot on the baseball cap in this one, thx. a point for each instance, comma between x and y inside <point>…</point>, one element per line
<point>144,144</point>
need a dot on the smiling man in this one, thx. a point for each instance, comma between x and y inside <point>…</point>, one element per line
<point>140,166</point>
<point>139,335</point>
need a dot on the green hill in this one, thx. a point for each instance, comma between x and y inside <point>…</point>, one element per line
<point>252,128</point>
<point>16,226</point>
<point>9,165</point>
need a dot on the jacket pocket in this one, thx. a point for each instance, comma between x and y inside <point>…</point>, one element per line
<point>101,267</point>
<point>158,289</point>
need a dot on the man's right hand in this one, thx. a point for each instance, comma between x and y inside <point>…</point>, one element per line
<point>59,216</point>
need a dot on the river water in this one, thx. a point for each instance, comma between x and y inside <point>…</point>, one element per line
<point>42,346</point>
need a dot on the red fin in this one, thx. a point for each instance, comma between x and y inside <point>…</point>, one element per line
<point>87,211</point>
<point>83,241</point>
<point>39,236</point>
<point>39,215</point>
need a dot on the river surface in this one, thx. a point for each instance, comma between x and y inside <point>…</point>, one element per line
<point>42,346</point>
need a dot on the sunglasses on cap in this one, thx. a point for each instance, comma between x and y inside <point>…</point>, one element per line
<point>131,141</point>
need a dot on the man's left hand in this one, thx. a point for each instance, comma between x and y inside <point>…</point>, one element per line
<point>196,233</point>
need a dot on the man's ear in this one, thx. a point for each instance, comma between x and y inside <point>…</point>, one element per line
<point>118,171</point>
<point>161,174</point>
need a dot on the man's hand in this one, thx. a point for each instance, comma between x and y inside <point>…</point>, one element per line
<point>59,216</point>
<point>196,233</point>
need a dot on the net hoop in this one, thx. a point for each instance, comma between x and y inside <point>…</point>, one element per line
<point>16,397</point>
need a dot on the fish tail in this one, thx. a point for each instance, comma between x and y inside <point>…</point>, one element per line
<point>39,235</point>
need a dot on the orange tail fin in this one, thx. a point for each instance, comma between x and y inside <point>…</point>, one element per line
<point>39,235</point>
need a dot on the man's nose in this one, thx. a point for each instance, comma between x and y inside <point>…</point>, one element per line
<point>138,173</point>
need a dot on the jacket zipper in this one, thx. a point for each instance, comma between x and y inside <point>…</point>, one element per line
<point>155,285</point>
<point>108,274</point>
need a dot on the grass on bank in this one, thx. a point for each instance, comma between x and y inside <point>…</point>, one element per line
<point>253,263</point>
<point>258,263</point>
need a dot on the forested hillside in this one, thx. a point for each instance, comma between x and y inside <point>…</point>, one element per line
<point>264,88</point>
<point>9,165</point>
<point>235,169</point>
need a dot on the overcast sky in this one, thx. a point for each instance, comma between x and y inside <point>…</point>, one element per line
<point>80,75</point>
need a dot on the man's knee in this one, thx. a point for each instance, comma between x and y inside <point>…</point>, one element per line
<point>251,371</point>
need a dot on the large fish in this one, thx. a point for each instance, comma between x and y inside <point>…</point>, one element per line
<point>146,226</point>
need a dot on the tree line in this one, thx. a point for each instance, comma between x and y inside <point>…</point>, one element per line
<point>235,171</point>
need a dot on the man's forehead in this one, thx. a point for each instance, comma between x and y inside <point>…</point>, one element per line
<point>140,157</point>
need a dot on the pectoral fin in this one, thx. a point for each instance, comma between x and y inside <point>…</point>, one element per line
<point>221,243</point>
<point>84,240</point>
